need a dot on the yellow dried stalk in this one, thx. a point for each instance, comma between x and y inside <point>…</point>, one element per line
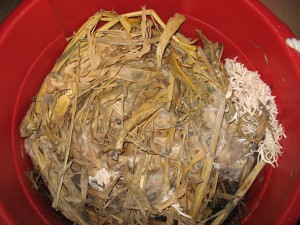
<point>74,93</point>
<point>208,164</point>
<point>139,116</point>
<point>172,26</point>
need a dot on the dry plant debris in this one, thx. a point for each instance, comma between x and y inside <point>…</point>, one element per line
<point>135,124</point>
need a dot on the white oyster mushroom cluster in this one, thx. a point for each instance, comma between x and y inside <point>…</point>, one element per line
<point>248,92</point>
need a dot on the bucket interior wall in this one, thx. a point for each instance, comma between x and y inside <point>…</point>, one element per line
<point>34,36</point>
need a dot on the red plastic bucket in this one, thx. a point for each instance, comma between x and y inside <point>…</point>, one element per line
<point>33,37</point>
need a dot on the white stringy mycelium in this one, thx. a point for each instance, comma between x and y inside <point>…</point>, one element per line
<point>250,95</point>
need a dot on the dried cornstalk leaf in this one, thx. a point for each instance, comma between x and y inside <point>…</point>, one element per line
<point>179,192</point>
<point>84,183</point>
<point>68,145</point>
<point>240,193</point>
<point>208,164</point>
<point>30,123</point>
<point>138,192</point>
<point>172,26</point>
<point>166,181</point>
<point>181,75</point>
<point>196,158</point>
<point>127,26</point>
<point>139,116</point>
<point>62,105</point>
<point>170,91</point>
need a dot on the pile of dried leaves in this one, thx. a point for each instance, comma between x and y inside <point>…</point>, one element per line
<point>133,125</point>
